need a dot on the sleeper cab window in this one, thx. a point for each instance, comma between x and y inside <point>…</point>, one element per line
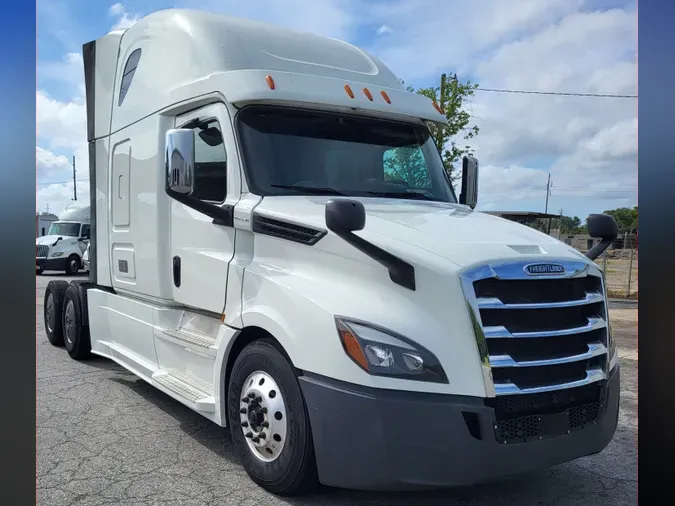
<point>128,74</point>
<point>210,182</point>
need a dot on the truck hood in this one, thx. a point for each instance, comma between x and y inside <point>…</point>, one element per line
<point>47,240</point>
<point>451,231</point>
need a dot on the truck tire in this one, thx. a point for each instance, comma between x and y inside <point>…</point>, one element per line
<point>76,335</point>
<point>53,309</point>
<point>269,422</point>
<point>73,265</point>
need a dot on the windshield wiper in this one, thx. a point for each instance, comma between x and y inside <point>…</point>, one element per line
<point>405,195</point>
<point>309,189</point>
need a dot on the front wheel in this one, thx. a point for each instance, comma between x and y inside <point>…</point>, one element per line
<point>268,421</point>
<point>73,265</point>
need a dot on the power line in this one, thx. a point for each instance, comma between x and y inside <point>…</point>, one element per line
<point>49,183</point>
<point>557,93</point>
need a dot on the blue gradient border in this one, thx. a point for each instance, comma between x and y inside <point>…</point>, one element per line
<point>17,206</point>
<point>656,145</point>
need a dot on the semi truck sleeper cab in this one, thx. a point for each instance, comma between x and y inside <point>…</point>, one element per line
<point>275,243</point>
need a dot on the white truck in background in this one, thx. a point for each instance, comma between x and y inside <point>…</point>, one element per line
<point>63,247</point>
<point>275,244</point>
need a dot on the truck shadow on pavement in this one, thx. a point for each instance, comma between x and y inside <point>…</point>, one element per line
<point>559,484</point>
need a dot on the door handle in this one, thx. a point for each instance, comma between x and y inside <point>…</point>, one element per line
<point>176,271</point>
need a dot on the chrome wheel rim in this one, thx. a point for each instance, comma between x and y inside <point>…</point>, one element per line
<point>263,417</point>
<point>50,312</point>
<point>69,320</point>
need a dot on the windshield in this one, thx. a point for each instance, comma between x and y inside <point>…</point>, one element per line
<point>68,229</point>
<point>291,152</point>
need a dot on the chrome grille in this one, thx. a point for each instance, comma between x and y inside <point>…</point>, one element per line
<point>538,333</point>
<point>42,251</point>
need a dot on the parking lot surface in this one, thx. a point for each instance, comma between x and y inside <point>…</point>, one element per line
<point>106,437</point>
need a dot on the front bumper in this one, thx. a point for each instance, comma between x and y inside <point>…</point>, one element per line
<point>51,264</point>
<point>391,440</point>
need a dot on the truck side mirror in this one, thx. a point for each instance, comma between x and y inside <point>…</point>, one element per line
<point>180,161</point>
<point>343,215</point>
<point>346,216</point>
<point>603,227</point>
<point>469,195</point>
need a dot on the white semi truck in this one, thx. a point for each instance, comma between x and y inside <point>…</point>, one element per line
<point>275,244</point>
<point>63,247</point>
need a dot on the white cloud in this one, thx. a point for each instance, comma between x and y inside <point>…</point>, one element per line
<point>383,29</point>
<point>125,19</point>
<point>50,165</point>
<point>57,196</point>
<point>63,123</point>
<point>116,9</point>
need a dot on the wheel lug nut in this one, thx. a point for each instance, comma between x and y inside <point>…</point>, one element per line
<point>251,395</point>
<point>256,439</point>
<point>244,424</point>
<point>243,411</point>
<point>265,424</point>
<point>249,434</point>
<point>262,435</point>
<point>263,410</point>
<point>258,399</point>
<point>246,400</point>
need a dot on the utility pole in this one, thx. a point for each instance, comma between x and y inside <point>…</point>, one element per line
<point>74,181</point>
<point>560,224</point>
<point>548,192</point>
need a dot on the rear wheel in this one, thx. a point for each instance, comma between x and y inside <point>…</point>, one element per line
<point>53,309</point>
<point>268,421</point>
<point>76,335</point>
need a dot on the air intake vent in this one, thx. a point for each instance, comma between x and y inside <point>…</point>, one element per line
<point>285,230</point>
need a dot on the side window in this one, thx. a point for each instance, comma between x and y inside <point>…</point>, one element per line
<point>210,163</point>
<point>406,165</point>
<point>128,74</point>
<point>85,231</point>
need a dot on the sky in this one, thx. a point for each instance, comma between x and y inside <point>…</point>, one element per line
<point>588,145</point>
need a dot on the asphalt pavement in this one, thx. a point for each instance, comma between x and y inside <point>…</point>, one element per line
<point>106,437</point>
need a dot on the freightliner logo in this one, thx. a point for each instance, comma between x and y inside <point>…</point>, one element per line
<point>543,269</point>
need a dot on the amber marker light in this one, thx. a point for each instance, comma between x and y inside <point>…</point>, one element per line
<point>270,82</point>
<point>352,346</point>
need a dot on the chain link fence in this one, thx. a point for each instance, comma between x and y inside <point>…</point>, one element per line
<point>621,272</point>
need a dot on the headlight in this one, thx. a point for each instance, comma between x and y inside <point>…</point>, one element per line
<point>57,254</point>
<point>381,352</point>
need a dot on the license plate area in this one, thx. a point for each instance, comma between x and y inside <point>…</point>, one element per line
<point>554,424</point>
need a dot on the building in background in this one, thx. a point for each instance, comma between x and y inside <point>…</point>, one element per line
<point>42,223</point>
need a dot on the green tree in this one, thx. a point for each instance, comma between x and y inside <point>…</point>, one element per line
<point>570,225</point>
<point>407,164</point>
<point>452,96</point>
<point>626,218</point>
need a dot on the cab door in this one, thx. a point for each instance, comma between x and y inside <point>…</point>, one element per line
<point>201,247</point>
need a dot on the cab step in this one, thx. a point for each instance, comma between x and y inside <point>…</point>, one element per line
<point>196,342</point>
<point>187,389</point>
